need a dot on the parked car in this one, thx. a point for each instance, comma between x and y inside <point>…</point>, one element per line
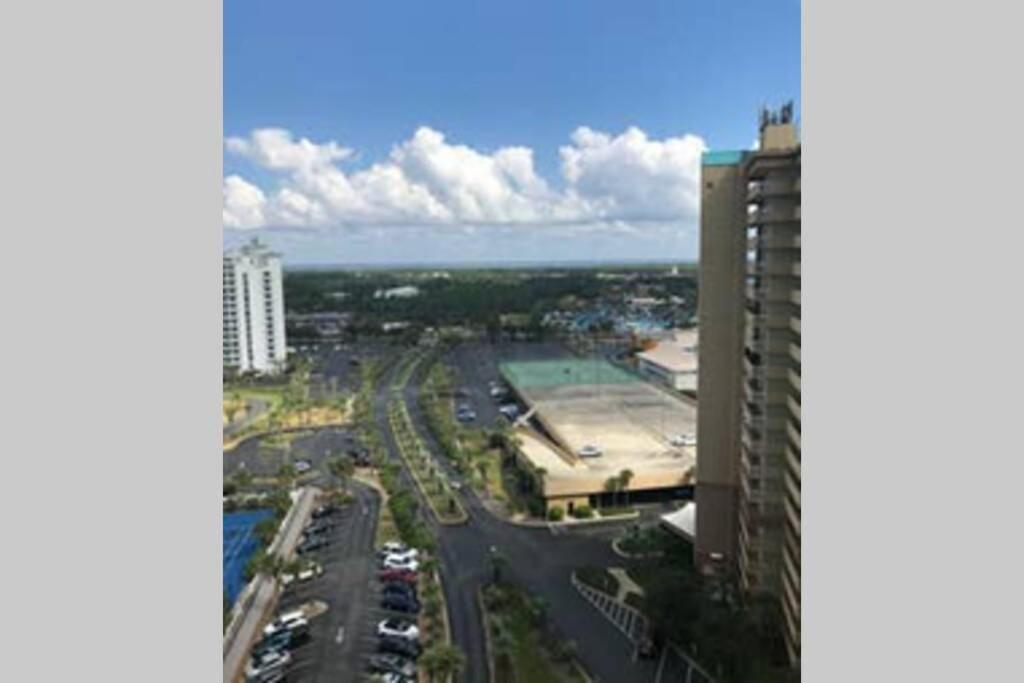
<point>318,526</point>
<point>400,603</point>
<point>270,664</point>
<point>397,575</point>
<point>462,393</point>
<point>360,457</point>
<point>392,663</point>
<point>400,563</point>
<point>684,440</point>
<point>391,548</point>
<point>288,621</point>
<point>465,414</point>
<point>398,588</point>
<point>393,677</point>
<point>325,511</point>
<point>509,410</point>
<point>302,466</point>
<point>314,542</point>
<point>400,646</point>
<point>399,628</point>
<point>407,554</point>
<point>282,640</point>
<point>590,451</point>
<point>307,573</point>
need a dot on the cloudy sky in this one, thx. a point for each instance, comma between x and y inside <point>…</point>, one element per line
<point>406,131</point>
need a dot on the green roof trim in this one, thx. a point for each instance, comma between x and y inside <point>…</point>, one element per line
<point>569,371</point>
<point>723,157</point>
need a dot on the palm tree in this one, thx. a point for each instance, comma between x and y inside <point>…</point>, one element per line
<point>540,473</point>
<point>343,469</point>
<point>504,641</point>
<point>625,476</point>
<point>611,485</point>
<point>286,475</point>
<point>443,662</point>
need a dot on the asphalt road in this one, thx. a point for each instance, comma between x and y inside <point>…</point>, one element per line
<point>537,559</point>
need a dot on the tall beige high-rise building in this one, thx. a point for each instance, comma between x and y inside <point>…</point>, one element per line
<point>748,458</point>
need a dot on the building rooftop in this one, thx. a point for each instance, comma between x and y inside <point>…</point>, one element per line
<point>678,354</point>
<point>584,402</point>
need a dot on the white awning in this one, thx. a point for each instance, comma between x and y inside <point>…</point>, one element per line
<point>683,521</point>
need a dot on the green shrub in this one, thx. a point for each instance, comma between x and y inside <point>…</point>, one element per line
<point>583,512</point>
<point>556,514</point>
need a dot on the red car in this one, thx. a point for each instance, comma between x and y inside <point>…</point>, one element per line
<point>397,575</point>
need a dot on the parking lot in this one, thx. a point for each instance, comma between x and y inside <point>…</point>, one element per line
<point>317,448</point>
<point>337,367</point>
<point>477,367</point>
<point>342,636</point>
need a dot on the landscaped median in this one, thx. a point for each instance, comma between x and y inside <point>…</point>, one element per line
<point>425,471</point>
<point>521,645</point>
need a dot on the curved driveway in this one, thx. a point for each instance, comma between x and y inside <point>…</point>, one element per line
<point>538,560</point>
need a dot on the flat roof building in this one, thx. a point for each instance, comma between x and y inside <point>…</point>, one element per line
<point>672,361</point>
<point>592,403</point>
<point>748,478</point>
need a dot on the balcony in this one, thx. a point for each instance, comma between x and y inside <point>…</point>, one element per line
<point>793,433</point>
<point>794,405</point>
<point>752,439</point>
<point>759,191</point>
<point>791,583</point>
<point>754,292</point>
<point>793,463</point>
<point>795,269</point>
<point>794,352</point>
<point>754,390</point>
<point>793,492</point>
<point>794,379</point>
<point>794,297</point>
<point>774,214</point>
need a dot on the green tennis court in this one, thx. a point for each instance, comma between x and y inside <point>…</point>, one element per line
<point>570,371</point>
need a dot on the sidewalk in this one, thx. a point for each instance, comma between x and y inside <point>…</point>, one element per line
<point>260,595</point>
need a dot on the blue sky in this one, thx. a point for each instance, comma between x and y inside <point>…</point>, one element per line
<point>452,84</point>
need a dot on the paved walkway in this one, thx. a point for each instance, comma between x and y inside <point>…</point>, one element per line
<point>261,595</point>
<point>626,584</point>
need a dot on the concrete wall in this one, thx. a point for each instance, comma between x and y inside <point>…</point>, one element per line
<point>720,314</point>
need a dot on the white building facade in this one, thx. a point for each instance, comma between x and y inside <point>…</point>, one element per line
<point>253,310</point>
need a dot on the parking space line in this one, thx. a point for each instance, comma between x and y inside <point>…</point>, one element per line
<point>340,638</point>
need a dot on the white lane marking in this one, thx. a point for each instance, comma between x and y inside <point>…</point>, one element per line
<point>341,635</point>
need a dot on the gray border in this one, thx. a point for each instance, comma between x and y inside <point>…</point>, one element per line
<point>112,212</point>
<point>112,174</point>
<point>911,131</point>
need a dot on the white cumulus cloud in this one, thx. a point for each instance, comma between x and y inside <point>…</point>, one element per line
<point>609,180</point>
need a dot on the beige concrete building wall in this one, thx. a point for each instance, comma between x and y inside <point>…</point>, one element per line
<point>748,462</point>
<point>720,321</point>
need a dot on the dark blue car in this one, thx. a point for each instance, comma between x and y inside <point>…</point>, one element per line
<point>398,602</point>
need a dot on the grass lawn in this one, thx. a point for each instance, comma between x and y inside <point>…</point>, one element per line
<point>615,511</point>
<point>495,482</point>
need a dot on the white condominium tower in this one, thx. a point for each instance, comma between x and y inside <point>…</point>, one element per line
<point>253,310</point>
